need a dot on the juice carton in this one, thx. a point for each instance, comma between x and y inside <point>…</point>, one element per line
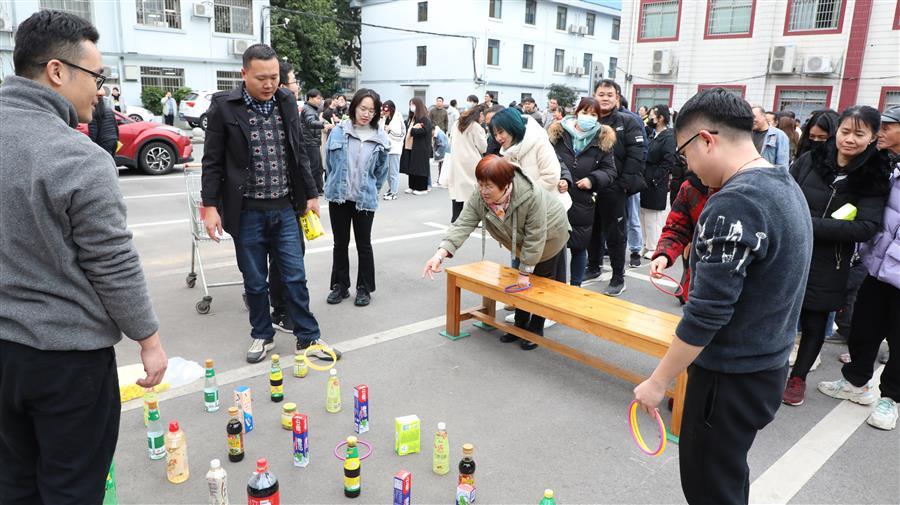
<point>243,403</point>
<point>402,487</point>
<point>407,432</point>
<point>465,494</point>
<point>361,408</point>
<point>301,439</point>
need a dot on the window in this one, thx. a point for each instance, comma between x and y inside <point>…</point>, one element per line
<point>528,57</point>
<point>167,78</point>
<point>161,13</point>
<point>530,11</point>
<point>648,95</point>
<point>495,96</point>
<point>611,72</point>
<point>423,11</point>
<point>228,79</point>
<point>80,8</point>
<point>348,84</point>
<point>494,8</point>
<point>421,56</point>
<point>897,16</point>
<point>814,16</point>
<point>234,16</point>
<point>561,13</point>
<point>802,100</point>
<point>590,19</point>
<point>616,28</point>
<point>493,54</point>
<point>588,62</point>
<point>558,61</point>
<point>659,20</point>
<point>890,97</point>
<point>523,96</point>
<point>729,18</point>
<point>738,89</point>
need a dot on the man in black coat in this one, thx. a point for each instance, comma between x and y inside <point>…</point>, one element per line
<point>103,129</point>
<point>312,135</point>
<point>256,171</point>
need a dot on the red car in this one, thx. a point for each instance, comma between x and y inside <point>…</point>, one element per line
<point>152,147</point>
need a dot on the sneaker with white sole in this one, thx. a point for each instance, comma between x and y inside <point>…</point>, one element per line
<point>319,354</point>
<point>816,363</point>
<point>843,390</point>
<point>548,323</point>
<point>408,191</point>
<point>258,349</point>
<point>884,415</point>
<point>419,193</point>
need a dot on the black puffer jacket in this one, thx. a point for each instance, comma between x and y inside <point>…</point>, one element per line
<point>660,163</point>
<point>312,127</point>
<point>103,129</point>
<point>628,151</point>
<point>595,162</point>
<point>864,183</point>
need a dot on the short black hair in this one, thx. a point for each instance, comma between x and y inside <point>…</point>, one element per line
<point>258,52</point>
<point>338,95</point>
<point>528,99</point>
<point>472,98</point>
<point>623,102</point>
<point>284,68</point>
<point>719,109</point>
<point>313,93</point>
<point>862,115</point>
<point>453,103</point>
<point>47,35</point>
<point>440,98</point>
<point>358,97</point>
<point>608,83</point>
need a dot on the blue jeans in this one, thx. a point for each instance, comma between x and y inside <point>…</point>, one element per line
<point>393,173</point>
<point>633,217</point>
<point>276,233</point>
<point>576,269</point>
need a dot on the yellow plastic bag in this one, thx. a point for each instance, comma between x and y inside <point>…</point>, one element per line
<point>312,226</point>
<point>847,212</point>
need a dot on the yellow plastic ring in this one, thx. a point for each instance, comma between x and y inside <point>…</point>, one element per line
<point>319,347</point>
<point>636,431</point>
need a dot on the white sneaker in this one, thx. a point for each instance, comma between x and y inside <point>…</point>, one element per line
<point>408,191</point>
<point>419,193</point>
<point>649,255</point>
<point>884,416</point>
<point>816,363</point>
<point>843,390</point>
<point>258,349</point>
<point>322,355</point>
<point>548,323</point>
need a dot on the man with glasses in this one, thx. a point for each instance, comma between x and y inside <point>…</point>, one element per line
<point>752,246</point>
<point>71,281</point>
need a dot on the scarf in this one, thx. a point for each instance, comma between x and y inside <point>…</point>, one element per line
<point>499,208</point>
<point>580,139</point>
<point>408,142</point>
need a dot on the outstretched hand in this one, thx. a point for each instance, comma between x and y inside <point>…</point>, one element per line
<point>432,266</point>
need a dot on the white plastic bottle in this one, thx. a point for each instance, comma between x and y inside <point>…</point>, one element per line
<point>217,479</point>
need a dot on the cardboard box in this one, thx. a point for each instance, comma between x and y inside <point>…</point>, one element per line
<point>243,402</point>
<point>402,487</point>
<point>407,435</point>
<point>465,494</point>
<point>300,424</point>
<point>361,408</point>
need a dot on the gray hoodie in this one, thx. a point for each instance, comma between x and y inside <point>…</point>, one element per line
<point>70,277</point>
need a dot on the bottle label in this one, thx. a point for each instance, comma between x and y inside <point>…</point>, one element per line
<point>276,375</point>
<point>218,491</point>
<point>211,396</point>
<point>235,444</point>
<point>156,443</point>
<point>466,479</point>
<point>210,372</point>
<point>277,390</point>
<point>268,500</point>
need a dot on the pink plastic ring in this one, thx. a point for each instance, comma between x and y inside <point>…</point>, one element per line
<point>677,293</point>
<point>337,453</point>
<point>515,288</point>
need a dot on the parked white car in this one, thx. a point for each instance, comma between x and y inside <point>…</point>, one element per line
<point>138,113</point>
<point>192,109</point>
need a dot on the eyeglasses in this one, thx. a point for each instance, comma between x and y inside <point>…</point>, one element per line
<point>365,112</point>
<point>100,78</point>
<point>683,146</point>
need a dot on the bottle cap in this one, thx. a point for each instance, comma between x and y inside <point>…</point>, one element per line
<point>442,426</point>
<point>351,441</point>
<point>262,465</point>
<point>289,407</point>
<point>173,426</point>
<point>215,464</point>
<point>275,357</point>
<point>298,358</point>
<point>333,372</point>
<point>152,405</point>
<point>468,448</point>
<point>548,493</point>
<point>209,363</point>
<point>233,411</point>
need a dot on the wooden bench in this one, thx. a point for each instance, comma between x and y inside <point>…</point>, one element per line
<point>645,330</point>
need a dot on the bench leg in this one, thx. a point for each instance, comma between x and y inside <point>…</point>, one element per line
<point>490,309</point>
<point>678,404</point>
<point>453,307</point>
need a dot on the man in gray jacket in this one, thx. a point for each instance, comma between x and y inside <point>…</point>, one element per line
<point>70,278</point>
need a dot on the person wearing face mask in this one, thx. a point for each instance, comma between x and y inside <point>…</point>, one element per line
<point>527,220</point>
<point>415,161</point>
<point>660,163</point>
<point>847,169</point>
<point>822,125</point>
<point>585,147</point>
<point>524,143</point>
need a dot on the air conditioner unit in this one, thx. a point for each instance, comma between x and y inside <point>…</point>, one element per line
<point>582,30</point>
<point>579,71</point>
<point>573,28</point>
<point>111,73</point>
<point>662,62</point>
<point>5,24</point>
<point>132,72</point>
<point>782,60</point>
<point>238,46</point>
<point>818,64</point>
<point>161,24</point>
<point>203,10</point>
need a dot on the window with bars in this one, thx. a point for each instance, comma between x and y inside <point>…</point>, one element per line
<point>659,19</point>
<point>811,15</point>
<point>890,98</point>
<point>162,13</point>
<point>421,56</point>
<point>648,97</point>
<point>729,17</point>
<point>423,11</point>
<point>528,57</point>
<point>561,14</point>
<point>493,53</point>
<point>559,59</point>
<point>801,101</point>
<point>588,62</point>
<point>166,78</point>
<point>611,71</point>
<point>80,8</point>
<point>495,8</point>
<point>738,90</point>
<point>591,20</point>
<point>530,12</point>
<point>234,16</point>
<point>228,79</point>
<point>616,28</point>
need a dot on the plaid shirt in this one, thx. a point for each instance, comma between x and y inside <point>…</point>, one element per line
<point>263,108</point>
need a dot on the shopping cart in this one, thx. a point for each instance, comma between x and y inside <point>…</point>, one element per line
<point>198,235</point>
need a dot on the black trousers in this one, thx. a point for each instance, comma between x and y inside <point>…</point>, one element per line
<point>722,414</point>
<point>812,324</point>
<point>457,208</point>
<point>343,216</point>
<point>550,269</point>
<point>418,182</point>
<point>169,119</point>
<point>844,316</point>
<point>59,423</point>
<point>315,166</point>
<point>876,317</point>
<point>277,296</point>
<point>609,222</point>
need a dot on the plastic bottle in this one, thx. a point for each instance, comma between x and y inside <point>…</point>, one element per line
<point>149,396</point>
<point>235,436</point>
<point>467,466</point>
<point>155,434</point>
<point>301,369</point>
<point>333,394</point>
<point>177,470</point>
<point>276,380</point>
<point>352,484</point>
<point>440,463</point>
<point>287,415</point>
<point>548,498</point>
<point>217,479</point>
<point>109,494</point>
<point>263,486</point>
<point>211,388</point>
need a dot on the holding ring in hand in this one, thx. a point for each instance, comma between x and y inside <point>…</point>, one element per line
<point>636,431</point>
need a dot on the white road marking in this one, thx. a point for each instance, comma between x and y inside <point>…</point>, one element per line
<point>158,223</point>
<point>787,476</point>
<point>174,176</point>
<point>155,195</point>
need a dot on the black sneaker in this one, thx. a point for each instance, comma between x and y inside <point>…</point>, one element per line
<point>635,260</point>
<point>508,337</point>
<point>337,294</point>
<point>363,298</point>
<point>592,273</point>
<point>528,346</point>
<point>836,338</point>
<point>322,355</point>
<point>282,322</point>
<point>616,287</point>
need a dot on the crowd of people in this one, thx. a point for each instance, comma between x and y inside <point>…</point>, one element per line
<point>756,211</point>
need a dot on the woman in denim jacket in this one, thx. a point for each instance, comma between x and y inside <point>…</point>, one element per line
<point>356,160</point>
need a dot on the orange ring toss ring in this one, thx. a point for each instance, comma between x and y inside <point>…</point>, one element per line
<point>319,347</point>
<point>636,431</point>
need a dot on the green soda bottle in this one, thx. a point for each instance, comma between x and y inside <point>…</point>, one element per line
<point>276,380</point>
<point>548,498</point>
<point>109,496</point>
